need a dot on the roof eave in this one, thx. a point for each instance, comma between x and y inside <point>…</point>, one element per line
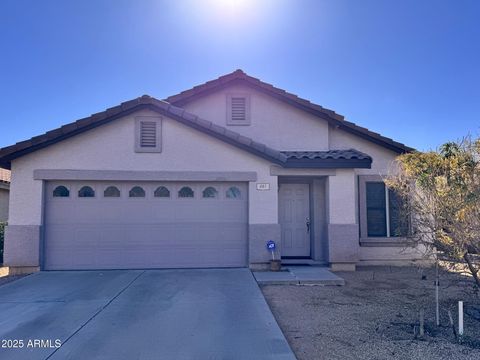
<point>54,136</point>
<point>329,163</point>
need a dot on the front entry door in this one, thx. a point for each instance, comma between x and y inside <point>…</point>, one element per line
<point>294,217</point>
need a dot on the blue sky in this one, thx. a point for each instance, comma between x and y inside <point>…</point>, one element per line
<point>408,69</point>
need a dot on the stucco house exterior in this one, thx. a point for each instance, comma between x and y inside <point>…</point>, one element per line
<point>4,194</point>
<point>203,178</point>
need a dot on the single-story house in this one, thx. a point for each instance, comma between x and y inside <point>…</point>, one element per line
<point>203,178</point>
<point>4,194</point>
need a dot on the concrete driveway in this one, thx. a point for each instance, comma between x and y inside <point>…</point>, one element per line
<point>136,314</point>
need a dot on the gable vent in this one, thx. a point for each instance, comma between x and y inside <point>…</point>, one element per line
<point>239,109</point>
<point>148,134</point>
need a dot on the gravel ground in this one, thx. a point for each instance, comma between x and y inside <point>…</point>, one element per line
<point>375,314</point>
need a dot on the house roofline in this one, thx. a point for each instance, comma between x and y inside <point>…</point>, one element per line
<point>12,152</point>
<point>334,119</point>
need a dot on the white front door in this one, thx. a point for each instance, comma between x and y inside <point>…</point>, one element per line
<point>294,217</point>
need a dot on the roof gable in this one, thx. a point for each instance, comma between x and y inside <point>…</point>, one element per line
<point>10,153</point>
<point>334,119</point>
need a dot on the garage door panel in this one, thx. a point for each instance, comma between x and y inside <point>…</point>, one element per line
<point>148,232</point>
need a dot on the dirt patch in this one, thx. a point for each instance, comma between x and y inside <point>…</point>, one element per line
<point>375,316</point>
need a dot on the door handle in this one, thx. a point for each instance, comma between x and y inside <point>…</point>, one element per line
<point>308,224</point>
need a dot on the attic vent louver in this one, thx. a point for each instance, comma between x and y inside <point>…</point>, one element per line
<point>239,109</point>
<point>148,134</point>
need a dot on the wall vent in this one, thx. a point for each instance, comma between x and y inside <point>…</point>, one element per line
<point>148,134</point>
<point>238,109</point>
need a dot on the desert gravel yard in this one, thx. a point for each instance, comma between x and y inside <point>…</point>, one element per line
<point>375,314</point>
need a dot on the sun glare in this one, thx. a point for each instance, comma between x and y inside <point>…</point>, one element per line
<point>231,5</point>
<point>231,8</point>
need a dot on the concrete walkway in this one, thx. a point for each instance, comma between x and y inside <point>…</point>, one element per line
<point>298,275</point>
<point>153,314</point>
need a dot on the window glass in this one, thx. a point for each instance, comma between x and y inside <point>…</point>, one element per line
<point>210,192</point>
<point>61,191</point>
<point>233,193</point>
<point>136,191</point>
<point>162,192</point>
<point>111,191</point>
<point>185,192</point>
<point>398,217</point>
<point>86,191</point>
<point>376,209</point>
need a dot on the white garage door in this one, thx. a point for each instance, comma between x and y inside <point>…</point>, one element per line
<point>126,225</point>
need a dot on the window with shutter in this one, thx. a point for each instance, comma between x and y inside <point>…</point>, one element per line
<point>148,134</point>
<point>238,109</point>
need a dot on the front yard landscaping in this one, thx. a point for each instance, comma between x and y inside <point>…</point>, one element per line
<point>376,315</point>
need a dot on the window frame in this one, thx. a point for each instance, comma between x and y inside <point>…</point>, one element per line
<point>105,188</point>
<point>55,186</point>
<point>91,186</point>
<point>233,198</point>
<point>155,188</point>
<point>247,120</point>
<point>158,121</point>
<point>217,193</point>
<point>365,240</point>
<point>145,192</point>
<point>181,187</point>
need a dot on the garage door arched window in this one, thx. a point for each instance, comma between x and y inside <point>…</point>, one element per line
<point>162,192</point>
<point>136,191</point>
<point>185,192</point>
<point>210,192</point>
<point>86,191</point>
<point>61,191</point>
<point>234,193</point>
<point>111,191</point>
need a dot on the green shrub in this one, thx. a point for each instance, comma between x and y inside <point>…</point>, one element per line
<point>2,232</point>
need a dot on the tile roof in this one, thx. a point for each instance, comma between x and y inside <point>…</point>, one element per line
<point>336,120</point>
<point>329,154</point>
<point>337,158</point>
<point>12,152</point>
<point>5,175</point>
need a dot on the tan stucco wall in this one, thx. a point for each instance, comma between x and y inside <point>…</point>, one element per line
<point>3,204</point>
<point>111,147</point>
<point>382,157</point>
<point>273,122</point>
<point>341,197</point>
